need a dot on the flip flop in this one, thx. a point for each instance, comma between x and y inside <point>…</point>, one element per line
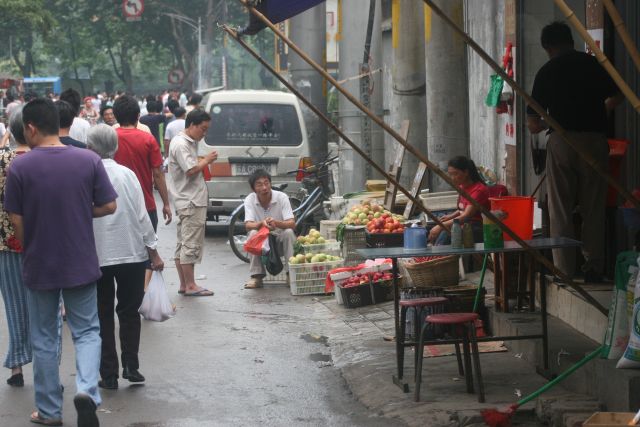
<point>201,293</point>
<point>37,419</point>
<point>180,292</point>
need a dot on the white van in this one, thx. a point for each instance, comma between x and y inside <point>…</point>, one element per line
<point>252,129</point>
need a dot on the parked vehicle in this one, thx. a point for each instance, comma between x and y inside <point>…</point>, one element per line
<point>252,129</point>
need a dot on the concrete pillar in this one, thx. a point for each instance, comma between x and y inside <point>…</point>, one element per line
<point>308,31</point>
<point>354,17</point>
<point>408,80</point>
<point>447,97</point>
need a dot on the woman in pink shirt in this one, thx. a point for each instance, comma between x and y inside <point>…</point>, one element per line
<point>465,175</point>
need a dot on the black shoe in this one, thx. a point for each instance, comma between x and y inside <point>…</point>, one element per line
<point>16,380</point>
<point>133,375</point>
<point>86,408</point>
<point>110,383</point>
<point>593,276</point>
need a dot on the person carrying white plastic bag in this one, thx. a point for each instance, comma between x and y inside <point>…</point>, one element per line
<point>156,305</point>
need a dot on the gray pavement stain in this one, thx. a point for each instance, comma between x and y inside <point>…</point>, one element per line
<point>240,357</point>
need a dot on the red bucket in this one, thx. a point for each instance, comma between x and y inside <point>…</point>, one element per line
<point>519,211</point>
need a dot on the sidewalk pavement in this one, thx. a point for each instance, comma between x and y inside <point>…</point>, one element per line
<point>367,362</point>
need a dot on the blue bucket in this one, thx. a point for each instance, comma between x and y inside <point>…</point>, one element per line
<point>415,238</point>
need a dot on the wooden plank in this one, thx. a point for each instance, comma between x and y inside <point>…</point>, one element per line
<point>416,186</point>
<point>396,168</point>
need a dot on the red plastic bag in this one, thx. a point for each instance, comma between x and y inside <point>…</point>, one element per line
<point>253,245</point>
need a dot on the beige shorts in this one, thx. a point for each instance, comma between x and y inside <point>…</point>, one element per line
<point>191,226</point>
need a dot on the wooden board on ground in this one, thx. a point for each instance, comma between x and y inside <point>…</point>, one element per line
<point>396,168</point>
<point>416,186</point>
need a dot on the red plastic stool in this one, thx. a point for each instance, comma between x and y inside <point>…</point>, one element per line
<point>462,325</point>
<point>430,305</point>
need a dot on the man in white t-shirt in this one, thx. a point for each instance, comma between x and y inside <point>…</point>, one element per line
<point>80,126</point>
<point>269,208</point>
<point>174,128</point>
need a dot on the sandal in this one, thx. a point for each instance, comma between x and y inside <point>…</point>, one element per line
<point>36,418</point>
<point>253,283</point>
<point>16,380</point>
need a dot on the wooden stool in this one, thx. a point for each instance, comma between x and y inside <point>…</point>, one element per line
<point>463,326</point>
<point>423,307</point>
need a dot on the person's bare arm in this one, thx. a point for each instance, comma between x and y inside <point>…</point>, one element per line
<point>613,101</point>
<point>161,185</point>
<point>203,163</point>
<point>18,226</point>
<point>104,210</point>
<point>255,225</point>
<point>283,225</point>
<point>157,264</point>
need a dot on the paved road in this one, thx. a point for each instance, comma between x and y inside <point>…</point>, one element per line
<point>239,358</point>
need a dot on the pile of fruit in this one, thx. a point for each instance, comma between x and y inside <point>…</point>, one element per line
<point>312,258</point>
<point>386,223</point>
<point>366,278</point>
<point>313,238</point>
<point>363,213</point>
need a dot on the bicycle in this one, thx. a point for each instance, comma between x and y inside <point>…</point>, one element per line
<point>308,212</point>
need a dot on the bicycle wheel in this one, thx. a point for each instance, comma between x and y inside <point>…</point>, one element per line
<point>238,235</point>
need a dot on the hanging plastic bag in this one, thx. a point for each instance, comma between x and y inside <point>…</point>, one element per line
<point>272,260</point>
<point>631,357</point>
<point>495,90</point>
<point>156,305</point>
<point>254,243</point>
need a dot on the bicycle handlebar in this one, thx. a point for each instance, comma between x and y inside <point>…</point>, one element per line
<point>314,168</point>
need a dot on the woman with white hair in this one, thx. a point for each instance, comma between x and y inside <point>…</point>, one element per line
<point>124,242</point>
<point>11,286</point>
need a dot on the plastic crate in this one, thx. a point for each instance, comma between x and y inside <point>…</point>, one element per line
<point>354,238</point>
<point>309,278</point>
<point>382,291</point>
<point>328,228</point>
<point>384,240</point>
<point>357,296</point>
<point>327,248</point>
<point>278,278</point>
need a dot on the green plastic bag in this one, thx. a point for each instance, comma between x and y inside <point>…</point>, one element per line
<point>493,97</point>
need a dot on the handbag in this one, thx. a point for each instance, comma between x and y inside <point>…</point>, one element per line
<point>272,260</point>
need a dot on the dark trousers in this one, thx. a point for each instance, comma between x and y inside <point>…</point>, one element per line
<point>130,291</point>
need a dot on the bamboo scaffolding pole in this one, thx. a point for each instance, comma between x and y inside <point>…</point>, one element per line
<point>534,254</point>
<point>622,32</point>
<point>602,59</point>
<point>329,123</point>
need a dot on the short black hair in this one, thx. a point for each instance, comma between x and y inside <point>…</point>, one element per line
<point>256,175</point>
<point>66,114</point>
<point>556,34</point>
<point>195,117</point>
<point>172,104</point>
<point>154,106</point>
<point>126,110</point>
<point>30,96</point>
<point>105,108</point>
<point>195,99</point>
<point>179,112</point>
<point>43,114</point>
<point>72,97</point>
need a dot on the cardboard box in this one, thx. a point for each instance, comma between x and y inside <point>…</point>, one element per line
<point>609,419</point>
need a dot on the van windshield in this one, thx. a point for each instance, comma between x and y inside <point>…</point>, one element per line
<point>254,124</point>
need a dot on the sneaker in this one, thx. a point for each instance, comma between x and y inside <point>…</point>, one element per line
<point>86,408</point>
<point>253,283</point>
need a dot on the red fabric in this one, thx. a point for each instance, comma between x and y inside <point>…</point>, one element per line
<point>498,190</point>
<point>480,193</point>
<point>138,150</point>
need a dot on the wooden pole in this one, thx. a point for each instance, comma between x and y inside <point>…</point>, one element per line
<point>534,254</point>
<point>602,59</point>
<point>329,123</point>
<point>622,32</point>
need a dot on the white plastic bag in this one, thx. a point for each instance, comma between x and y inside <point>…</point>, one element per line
<point>631,357</point>
<point>156,305</point>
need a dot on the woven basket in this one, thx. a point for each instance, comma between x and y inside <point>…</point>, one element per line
<point>441,273</point>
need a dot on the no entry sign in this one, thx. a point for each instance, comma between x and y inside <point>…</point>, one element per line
<point>132,9</point>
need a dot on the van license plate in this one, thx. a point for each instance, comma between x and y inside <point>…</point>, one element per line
<point>249,168</point>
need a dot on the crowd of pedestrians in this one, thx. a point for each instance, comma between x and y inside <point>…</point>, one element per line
<point>78,223</point>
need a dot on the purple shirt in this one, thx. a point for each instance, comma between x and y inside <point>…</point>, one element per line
<point>54,190</point>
